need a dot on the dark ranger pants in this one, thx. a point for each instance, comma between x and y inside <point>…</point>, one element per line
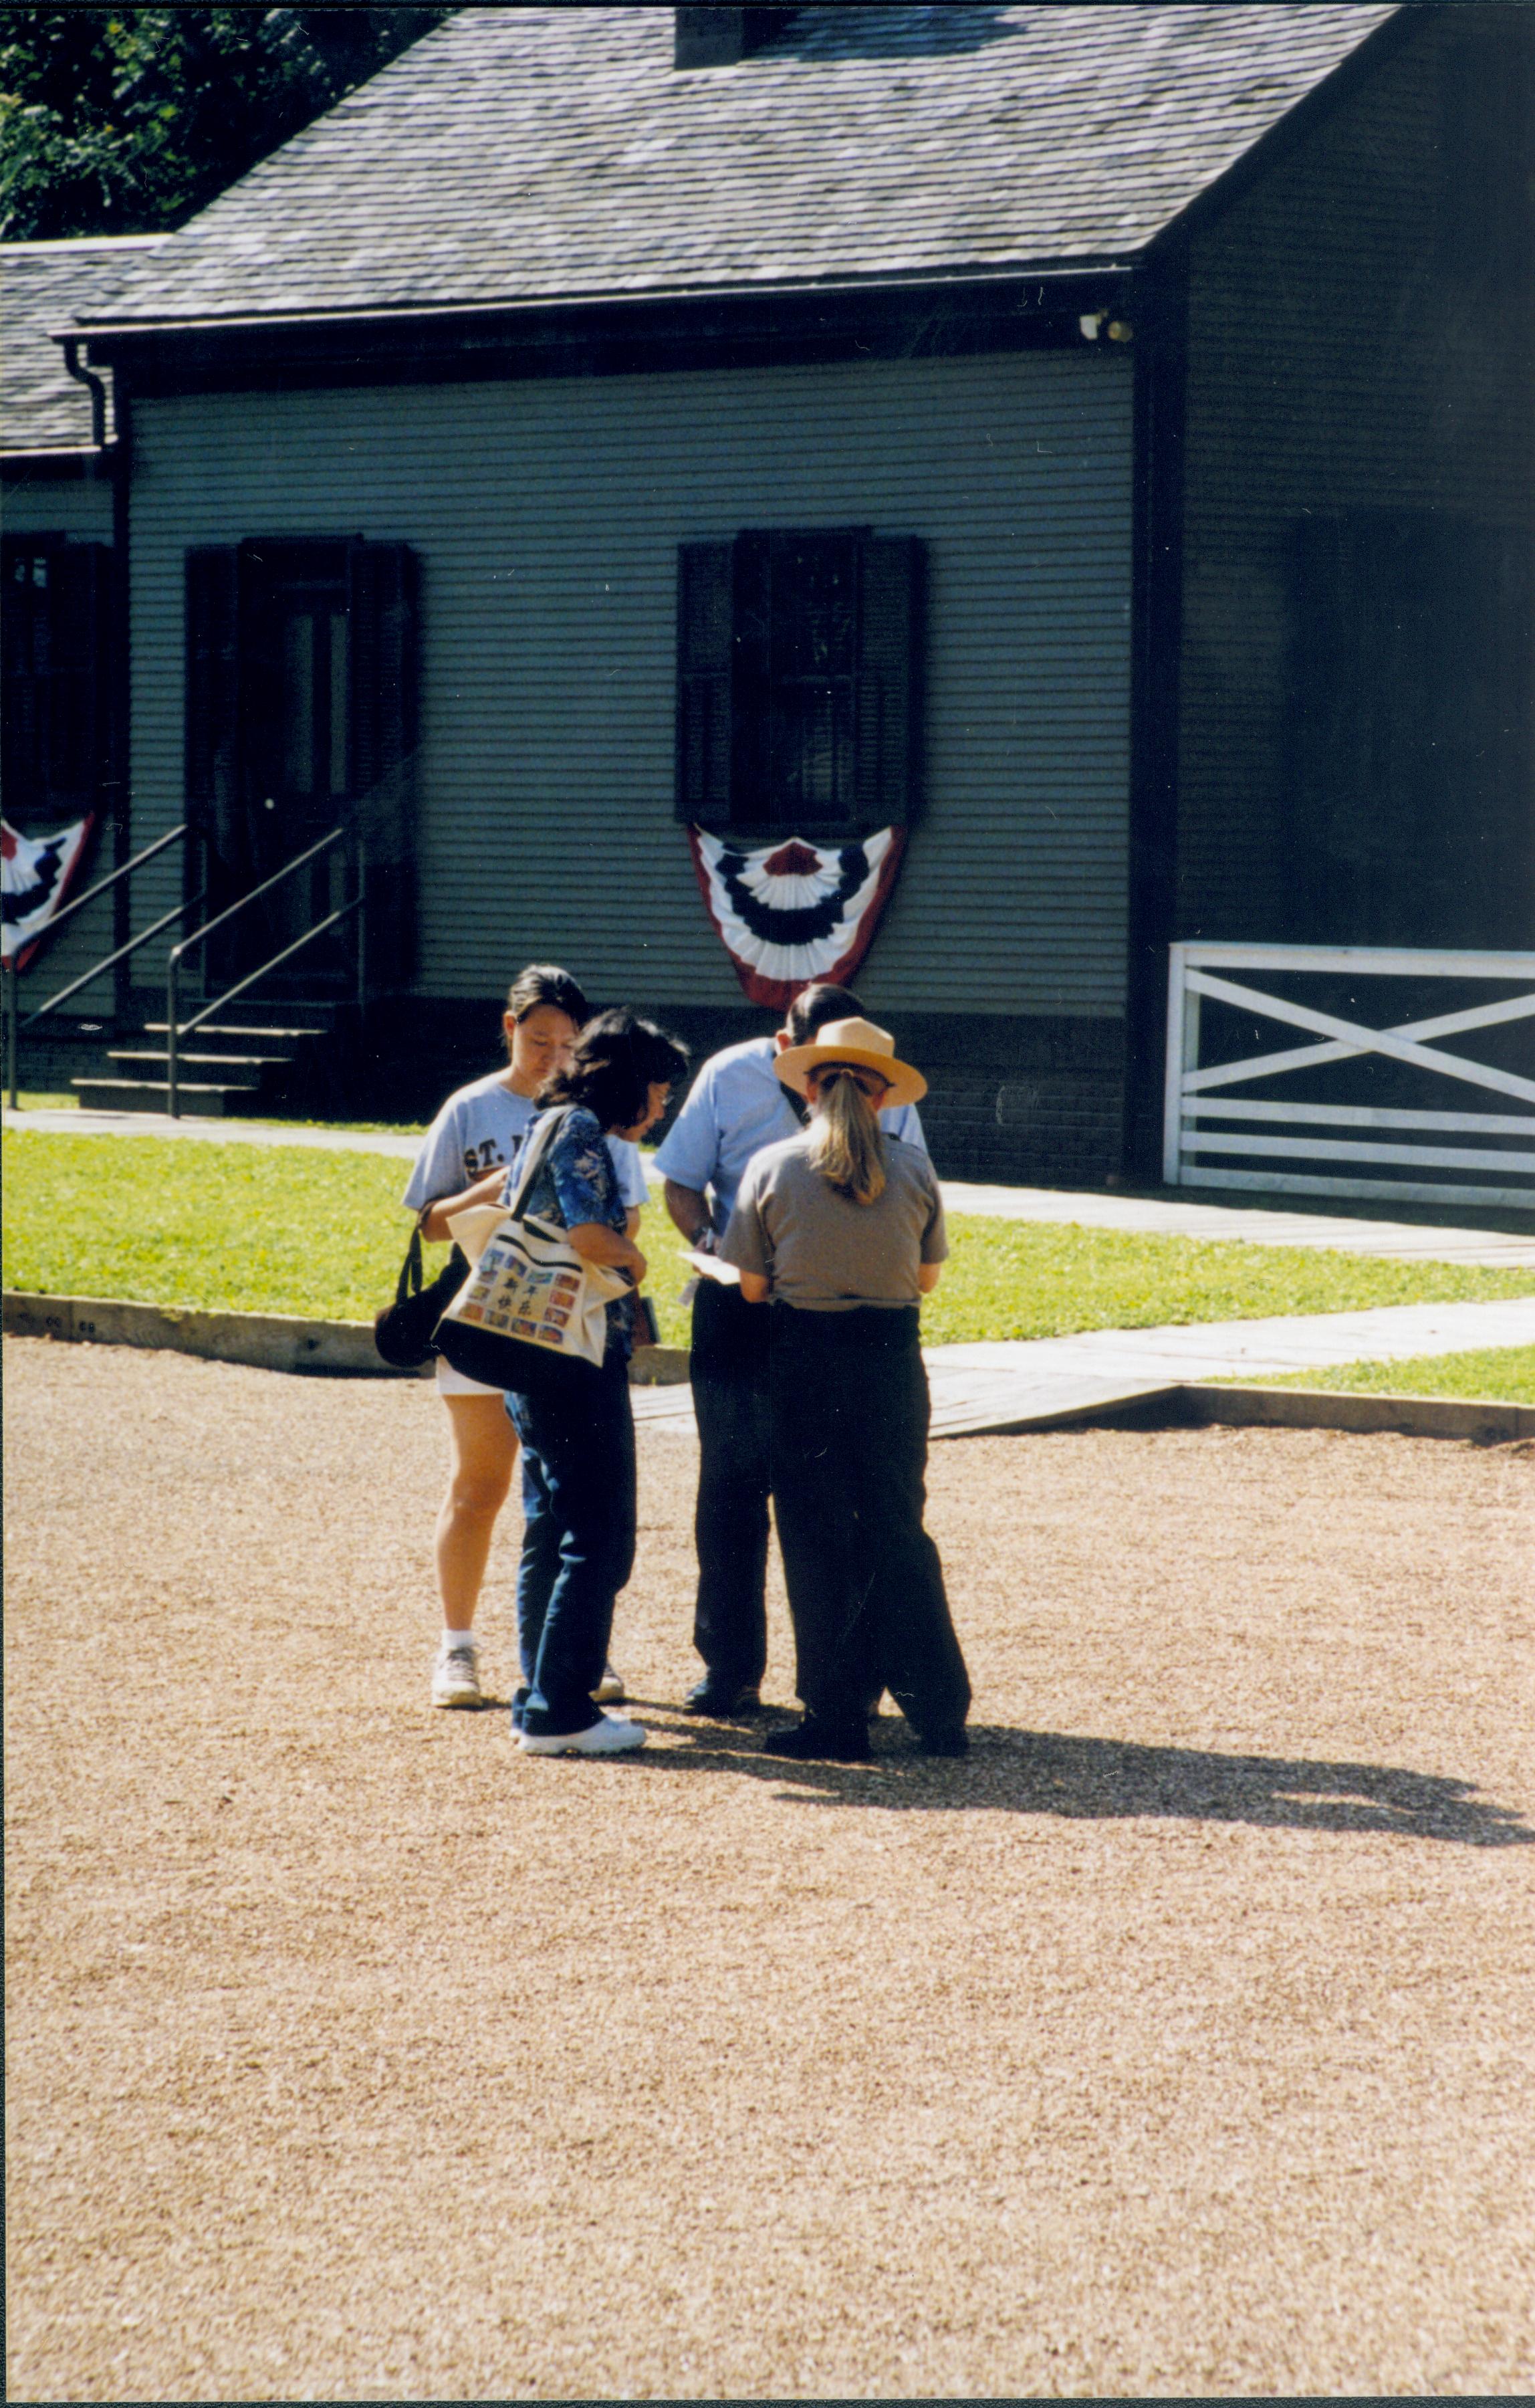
<point>578,1542</point>
<point>850,1412</point>
<point>728,1368</point>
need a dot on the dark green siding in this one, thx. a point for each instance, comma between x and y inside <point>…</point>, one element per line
<point>547,516</point>
<point>1354,761</point>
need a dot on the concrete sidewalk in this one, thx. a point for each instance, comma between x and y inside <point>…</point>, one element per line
<point>1157,1216</point>
<point>1013,1385</point>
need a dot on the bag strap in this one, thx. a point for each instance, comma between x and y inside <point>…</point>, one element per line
<point>409,1283</point>
<point>552,1121</point>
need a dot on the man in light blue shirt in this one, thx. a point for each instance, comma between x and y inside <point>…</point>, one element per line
<point>736,1107</point>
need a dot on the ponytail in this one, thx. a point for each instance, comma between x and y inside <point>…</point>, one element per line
<point>846,1145</point>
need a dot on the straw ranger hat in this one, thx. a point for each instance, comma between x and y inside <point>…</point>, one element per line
<point>857,1041</point>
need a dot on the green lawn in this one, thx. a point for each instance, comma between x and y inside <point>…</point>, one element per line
<point>1505,1372</point>
<point>262,1228</point>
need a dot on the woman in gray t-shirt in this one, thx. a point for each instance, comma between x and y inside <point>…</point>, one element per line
<point>840,1229</point>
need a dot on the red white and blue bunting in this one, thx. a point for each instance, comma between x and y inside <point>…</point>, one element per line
<point>792,914</point>
<point>36,875</point>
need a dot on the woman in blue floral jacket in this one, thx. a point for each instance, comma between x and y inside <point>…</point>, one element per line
<point>578,1441</point>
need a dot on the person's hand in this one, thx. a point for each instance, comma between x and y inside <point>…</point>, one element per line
<point>706,1240</point>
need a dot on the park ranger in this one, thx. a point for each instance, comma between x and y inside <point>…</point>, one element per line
<point>736,1105</point>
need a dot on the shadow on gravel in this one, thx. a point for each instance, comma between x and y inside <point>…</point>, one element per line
<point>1025,1772</point>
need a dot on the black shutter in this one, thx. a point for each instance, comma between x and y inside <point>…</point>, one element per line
<point>705,629</point>
<point>24,655</point>
<point>384,588</point>
<point>79,680</point>
<point>889,681</point>
<point>384,594</point>
<point>213,694</point>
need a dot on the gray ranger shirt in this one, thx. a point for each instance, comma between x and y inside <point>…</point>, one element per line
<point>822,1251</point>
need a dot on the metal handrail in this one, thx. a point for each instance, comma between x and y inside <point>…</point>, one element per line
<point>176,1027</point>
<point>172,837</point>
<point>15,1024</point>
<point>256,893</point>
<point>111,960</point>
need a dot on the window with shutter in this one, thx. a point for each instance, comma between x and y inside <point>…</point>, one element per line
<point>798,687</point>
<point>56,639</point>
<point>1410,732</point>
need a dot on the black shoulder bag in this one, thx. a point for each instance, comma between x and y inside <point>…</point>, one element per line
<point>401,1332</point>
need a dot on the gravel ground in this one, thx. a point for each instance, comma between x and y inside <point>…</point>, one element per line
<point>1175,2042</point>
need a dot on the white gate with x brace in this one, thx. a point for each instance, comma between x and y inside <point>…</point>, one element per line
<point>1279,1129</point>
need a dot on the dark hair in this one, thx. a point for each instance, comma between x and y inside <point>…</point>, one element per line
<point>617,1058</point>
<point>814,1006</point>
<point>544,982</point>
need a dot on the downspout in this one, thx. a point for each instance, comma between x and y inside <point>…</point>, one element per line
<point>92,385</point>
<point>114,459</point>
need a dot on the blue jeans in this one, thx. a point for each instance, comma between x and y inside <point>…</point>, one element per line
<point>578,1542</point>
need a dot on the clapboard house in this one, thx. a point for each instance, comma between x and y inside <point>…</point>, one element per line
<point>1091,441</point>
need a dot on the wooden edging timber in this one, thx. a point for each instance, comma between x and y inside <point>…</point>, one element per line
<point>268,1342</point>
<point>1486,1420</point>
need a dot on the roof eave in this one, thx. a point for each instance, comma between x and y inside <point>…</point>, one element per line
<point>423,317</point>
<point>56,459</point>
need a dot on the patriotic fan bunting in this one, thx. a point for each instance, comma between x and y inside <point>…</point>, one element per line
<point>794,914</point>
<point>35,873</point>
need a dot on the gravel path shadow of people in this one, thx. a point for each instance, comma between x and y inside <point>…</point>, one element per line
<point>1082,1779</point>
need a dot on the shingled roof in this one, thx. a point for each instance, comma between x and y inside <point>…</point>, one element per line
<point>44,285</point>
<point>534,153</point>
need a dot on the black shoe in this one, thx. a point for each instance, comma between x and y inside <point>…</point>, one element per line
<point>722,1699</point>
<point>826,1742</point>
<point>956,1742</point>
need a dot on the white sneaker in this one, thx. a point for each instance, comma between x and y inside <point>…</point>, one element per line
<point>610,1690</point>
<point>609,1735</point>
<point>455,1676</point>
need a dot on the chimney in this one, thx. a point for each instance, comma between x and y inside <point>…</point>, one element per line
<point>722,37</point>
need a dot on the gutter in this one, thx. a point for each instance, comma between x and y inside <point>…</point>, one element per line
<point>426,315</point>
<point>57,460</point>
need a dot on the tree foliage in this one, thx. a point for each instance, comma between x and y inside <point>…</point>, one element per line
<point>126,120</point>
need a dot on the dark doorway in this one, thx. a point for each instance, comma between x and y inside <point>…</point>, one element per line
<point>295,609</point>
<point>301,720</point>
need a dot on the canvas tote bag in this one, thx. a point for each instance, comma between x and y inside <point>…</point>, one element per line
<point>531,1315</point>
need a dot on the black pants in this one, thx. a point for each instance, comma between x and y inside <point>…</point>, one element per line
<point>729,1367</point>
<point>850,1411</point>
